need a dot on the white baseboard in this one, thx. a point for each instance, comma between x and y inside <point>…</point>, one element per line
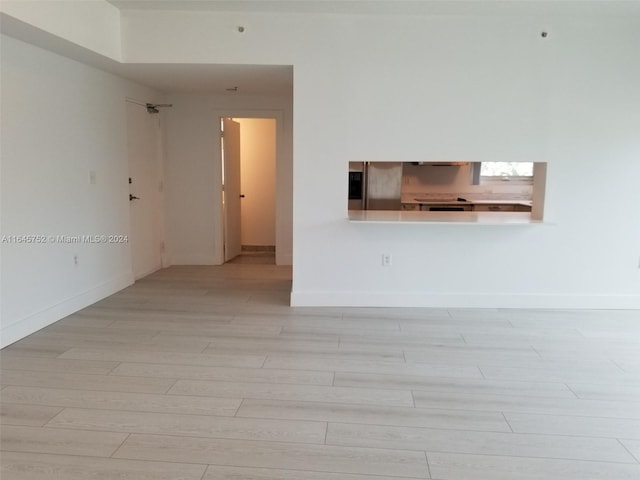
<point>148,272</point>
<point>460,300</point>
<point>196,259</point>
<point>32,323</point>
<point>284,258</point>
<point>281,259</point>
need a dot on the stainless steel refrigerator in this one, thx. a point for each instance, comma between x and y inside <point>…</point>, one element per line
<point>380,185</point>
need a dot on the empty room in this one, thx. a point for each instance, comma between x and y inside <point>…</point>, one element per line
<point>319,240</point>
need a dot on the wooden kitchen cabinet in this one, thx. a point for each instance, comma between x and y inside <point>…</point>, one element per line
<point>522,208</point>
<point>501,207</point>
<point>410,206</point>
<point>494,207</point>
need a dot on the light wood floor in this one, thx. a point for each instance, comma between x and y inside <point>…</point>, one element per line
<point>205,373</point>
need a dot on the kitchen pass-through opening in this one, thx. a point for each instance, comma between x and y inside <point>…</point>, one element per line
<point>517,187</point>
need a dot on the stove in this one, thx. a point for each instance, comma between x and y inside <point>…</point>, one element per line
<point>443,204</point>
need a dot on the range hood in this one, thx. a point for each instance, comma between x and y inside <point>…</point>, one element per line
<point>441,164</point>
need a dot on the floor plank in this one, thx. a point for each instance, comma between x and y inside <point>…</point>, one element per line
<point>572,425</point>
<point>528,404</point>
<point>374,415</point>
<point>68,442</point>
<point>131,402</point>
<point>450,466</point>
<point>607,390</point>
<point>258,375</point>
<point>359,396</point>
<point>27,415</point>
<point>339,363</point>
<point>293,456</point>
<point>584,374</point>
<point>216,472</point>
<point>13,361</point>
<point>86,382</point>
<point>159,354</point>
<point>485,443</point>
<point>190,425</point>
<point>464,386</point>
<point>30,466</point>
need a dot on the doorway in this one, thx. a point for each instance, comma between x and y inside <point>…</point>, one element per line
<point>145,189</point>
<point>249,153</point>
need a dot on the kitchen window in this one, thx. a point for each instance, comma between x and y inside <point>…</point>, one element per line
<point>495,172</point>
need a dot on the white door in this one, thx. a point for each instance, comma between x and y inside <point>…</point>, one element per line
<point>231,188</point>
<point>143,140</point>
<point>258,184</point>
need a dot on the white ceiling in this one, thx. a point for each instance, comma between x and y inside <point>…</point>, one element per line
<point>389,7</point>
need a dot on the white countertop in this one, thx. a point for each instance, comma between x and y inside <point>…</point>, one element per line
<point>501,202</point>
<point>417,199</point>
<point>449,218</point>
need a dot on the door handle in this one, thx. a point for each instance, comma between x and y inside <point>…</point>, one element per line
<point>133,197</point>
<point>241,195</point>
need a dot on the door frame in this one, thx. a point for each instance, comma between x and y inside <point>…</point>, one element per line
<point>219,219</point>
<point>158,187</point>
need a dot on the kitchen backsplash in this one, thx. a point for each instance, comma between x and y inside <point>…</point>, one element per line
<point>470,193</point>
<point>447,182</point>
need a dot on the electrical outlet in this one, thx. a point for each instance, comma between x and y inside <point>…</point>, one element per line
<point>92,177</point>
<point>386,259</point>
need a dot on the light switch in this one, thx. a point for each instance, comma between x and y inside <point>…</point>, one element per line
<point>92,177</point>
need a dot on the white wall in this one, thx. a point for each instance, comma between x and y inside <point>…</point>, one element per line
<point>193,172</point>
<point>93,24</point>
<point>487,87</point>
<point>60,120</point>
<point>258,180</point>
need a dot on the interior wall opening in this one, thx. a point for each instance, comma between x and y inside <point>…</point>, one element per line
<point>249,153</point>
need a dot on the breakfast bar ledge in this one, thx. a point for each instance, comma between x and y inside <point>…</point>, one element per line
<point>448,218</point>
